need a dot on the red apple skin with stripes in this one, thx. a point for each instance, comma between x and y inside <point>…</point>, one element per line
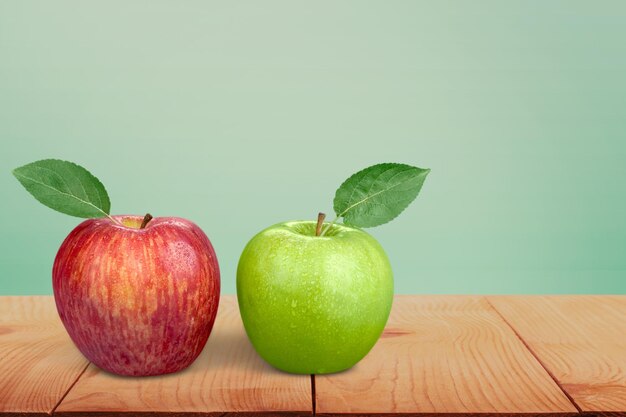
<point>137,301</point>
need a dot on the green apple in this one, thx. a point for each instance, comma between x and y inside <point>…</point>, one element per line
<point>315,297</point>
<point>314,304</point>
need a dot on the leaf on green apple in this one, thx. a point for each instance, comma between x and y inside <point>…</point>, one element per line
<point>378,194</point>
<point>65,187</point>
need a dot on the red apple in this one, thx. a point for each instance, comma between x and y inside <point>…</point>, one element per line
<point>137,301</point>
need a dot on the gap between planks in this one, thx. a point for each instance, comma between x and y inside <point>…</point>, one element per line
<point>313,399</point>
<point>532,352</point>
<point>69,389</point>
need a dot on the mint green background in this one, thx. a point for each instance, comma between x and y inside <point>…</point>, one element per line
<point>238,115</point>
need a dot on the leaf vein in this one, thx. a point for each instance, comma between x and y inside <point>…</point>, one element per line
<point>368,198</point>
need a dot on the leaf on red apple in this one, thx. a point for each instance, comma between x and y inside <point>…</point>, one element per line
<point>378,194</point>
<point>65,187</point>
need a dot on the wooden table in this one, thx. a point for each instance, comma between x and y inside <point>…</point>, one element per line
<point>505,355</point>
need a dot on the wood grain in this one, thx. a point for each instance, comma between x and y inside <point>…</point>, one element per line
<point>228,377</point>
<point>38,361</point>
<point>443,354</point>
<point>581,340</point>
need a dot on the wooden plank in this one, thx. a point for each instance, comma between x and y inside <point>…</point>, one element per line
<point>581,340</point>
<point>443,354</point>
<point>228,377</point>
<point>38,361</point>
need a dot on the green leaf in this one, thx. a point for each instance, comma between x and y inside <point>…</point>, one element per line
<point>65,187</point>
<point>378,194</point>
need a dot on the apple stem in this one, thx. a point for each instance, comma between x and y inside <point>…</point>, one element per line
<point>146,220</point>
<point>320,222</point>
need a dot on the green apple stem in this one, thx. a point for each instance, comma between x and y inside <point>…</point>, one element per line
<point>320,223</point>
<point>329,226</point>
<point>146,220</point>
